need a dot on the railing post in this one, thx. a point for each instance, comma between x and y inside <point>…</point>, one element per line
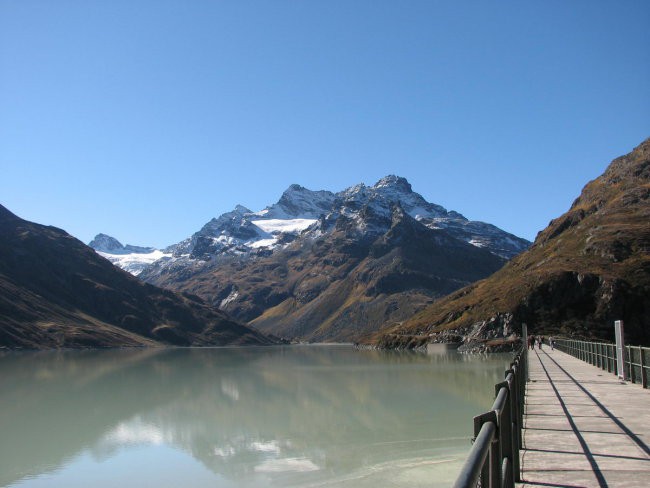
<point>496,449</point>
<point>600,356</point>
<point>515,417</point>
<point>630,362</point>
<point>593,354</point>
<point>493,460</point>
<point>505,424</point>
<point>620,349</point>
<point>644,375</point>
<point>479,420</point>
<point>609,363</point>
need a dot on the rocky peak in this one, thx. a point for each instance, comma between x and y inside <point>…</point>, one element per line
<point>397,214</point>
<point>109,245</point>
<point>300,202</point>
<point>394,182</point>
<point>106,243</point>
<point>225,221</point>
<point>402,225</point>
<point>241,210</point>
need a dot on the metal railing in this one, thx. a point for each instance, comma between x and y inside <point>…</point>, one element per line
<point>603,355</point>
<point>493,460</point>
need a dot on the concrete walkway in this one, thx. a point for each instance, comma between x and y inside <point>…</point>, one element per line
<point>583,427</point>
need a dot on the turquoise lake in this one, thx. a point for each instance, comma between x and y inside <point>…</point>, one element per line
<point>291,416</point>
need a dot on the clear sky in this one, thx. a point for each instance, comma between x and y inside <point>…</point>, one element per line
<point>143,119</point>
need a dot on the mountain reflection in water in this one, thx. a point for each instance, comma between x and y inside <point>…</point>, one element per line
<point>275,416</point>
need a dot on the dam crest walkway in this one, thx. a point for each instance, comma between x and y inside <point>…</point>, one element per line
<point>583,427</point>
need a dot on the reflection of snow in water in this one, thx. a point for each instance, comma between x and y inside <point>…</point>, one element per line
<point>226,451</point>
<point>300,465</point>
<point>272,446</point>
<point>295,417</point>
<point>230,389</point>
<point>134,432</point>
<point>267,447</point>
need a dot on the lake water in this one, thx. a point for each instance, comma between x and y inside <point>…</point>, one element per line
<point>294,416</point>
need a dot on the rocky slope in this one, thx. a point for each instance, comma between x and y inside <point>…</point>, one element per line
<point>589,267</point>
<point>324,266</point>
<point>57,292</point>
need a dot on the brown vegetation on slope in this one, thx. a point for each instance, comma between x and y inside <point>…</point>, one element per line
<point>57,292</point>
<point>588,268</point>
<point>343,285</point>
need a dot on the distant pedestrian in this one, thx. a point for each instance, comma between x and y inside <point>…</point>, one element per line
<point>540,340</point>
<point>550,343</point>
<point>531,342</point>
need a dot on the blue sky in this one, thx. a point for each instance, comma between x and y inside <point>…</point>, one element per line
<point>143,119</point>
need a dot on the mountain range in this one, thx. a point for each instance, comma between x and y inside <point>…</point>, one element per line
<point>588,268</point>
<point>377,264</point>
<point>57,292</point>
<point>323,266</point>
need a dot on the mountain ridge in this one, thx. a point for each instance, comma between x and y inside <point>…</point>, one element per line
<point>324,266</point>
<point>589,267</point>
<point>243,231</point>
<point>340,278</point>
<point>57,292</point>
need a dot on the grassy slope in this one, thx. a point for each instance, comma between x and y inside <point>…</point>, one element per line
<point>587,268</point>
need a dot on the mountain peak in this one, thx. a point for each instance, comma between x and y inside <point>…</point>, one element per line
<point>106,243</point>
<point>588,268</point>
<point>393,181</point>
<point>240,209</point>
<point>295,187</point>
<point>300,202</point>
<point>6,215</point>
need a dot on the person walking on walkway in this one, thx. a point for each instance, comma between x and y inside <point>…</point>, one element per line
<point>540,340</point>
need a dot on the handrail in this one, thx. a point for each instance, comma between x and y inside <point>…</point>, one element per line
<point>494,457</point>
<point>603,355</point>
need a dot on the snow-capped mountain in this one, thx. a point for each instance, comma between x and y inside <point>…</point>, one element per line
<point>298,202</point>
<point>130,258</point>
<point>319,265</point>
<point>303,212</point>
<point>299,211</point>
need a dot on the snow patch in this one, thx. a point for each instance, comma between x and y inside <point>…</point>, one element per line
<point>262,243</point>
<point>276,226</point>
<point>134,263</point>
<point>230,298</point>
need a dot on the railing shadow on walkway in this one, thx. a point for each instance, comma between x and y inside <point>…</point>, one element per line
<point>625,430</point>
<point>603,355</point>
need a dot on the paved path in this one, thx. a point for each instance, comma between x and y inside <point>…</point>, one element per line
<point>583,427</point>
